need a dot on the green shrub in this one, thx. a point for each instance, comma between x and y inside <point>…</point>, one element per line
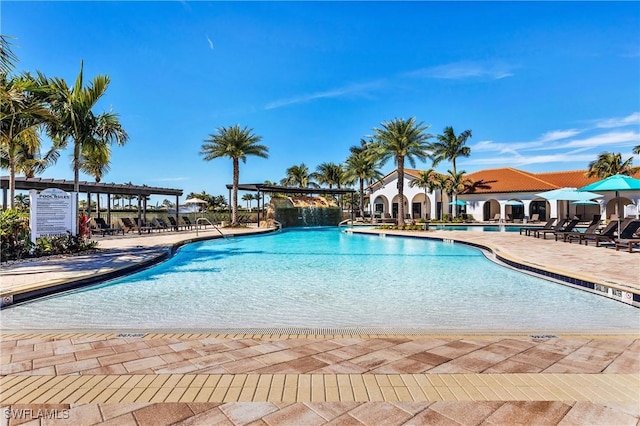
<point>14,235</point>
<point>16,239</point>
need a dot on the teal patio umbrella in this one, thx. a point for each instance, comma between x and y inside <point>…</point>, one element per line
<point>615,183</point>
<point>457,203</point>
<point>568,194</point>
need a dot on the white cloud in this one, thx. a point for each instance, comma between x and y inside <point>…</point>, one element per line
<point>555,135</point>
<point>210,43</point>
<point>357,89</point>
<point>633,119</point>
<point>464,70</point>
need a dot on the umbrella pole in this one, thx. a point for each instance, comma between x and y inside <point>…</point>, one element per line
<point>619,211</point>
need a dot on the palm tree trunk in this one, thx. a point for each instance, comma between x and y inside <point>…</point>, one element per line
<point>362,198</point>
<point>12,180</point>
<point>400,190</point>
<point>234,193</point>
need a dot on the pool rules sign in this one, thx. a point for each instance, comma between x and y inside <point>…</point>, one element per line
<point>52,213</point>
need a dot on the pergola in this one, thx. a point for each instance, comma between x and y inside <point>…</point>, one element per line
<point>139,191</point>
<point>271,189</point>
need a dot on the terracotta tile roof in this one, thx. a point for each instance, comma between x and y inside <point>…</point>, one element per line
<point>508,179</point>
<point>514,180</point>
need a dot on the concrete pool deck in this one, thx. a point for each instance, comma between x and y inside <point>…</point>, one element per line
<point>97,377</point>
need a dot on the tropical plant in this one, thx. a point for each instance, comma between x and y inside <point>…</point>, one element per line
<point>362,166</point>
<point>609,164</point>
<point>94,161</point>
<point>236,143</point>
<point>8,58</point>
<point>455,183</point>
<point>76,121</point>
<point>428,180</point>
<point>449,147</point>
<point>298,176</point>
<point>28,159</point>
<point>248,198</point>
<point>329,174</point>
<point>22,109</point>
<point>402,140</point>
<point>636,149</point>
<point>15,241</point>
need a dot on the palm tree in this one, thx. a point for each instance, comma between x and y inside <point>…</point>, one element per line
<point>236,143</point>
<point>402,140</point>
<point>455,183</point>
<point>28,158</point>
<point>75,119</point>
<point>449,147</point>
<point>329,174</point>
<point>22,201</point>
<point>22,110</point>
<point>429,180</point>
<point>362,165</point>
<point>636,149</point>
<point>298,176</point>
<point>248,198</point>
<point>8,58</point>
<point>94,161</point>
<point>609,164</point>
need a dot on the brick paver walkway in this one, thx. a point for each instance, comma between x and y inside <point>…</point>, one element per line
<point>202,379</point>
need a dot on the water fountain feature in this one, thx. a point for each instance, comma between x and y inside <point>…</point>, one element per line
<point>304,211</point>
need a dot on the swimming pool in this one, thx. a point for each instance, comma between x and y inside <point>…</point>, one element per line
<point>326,278</point>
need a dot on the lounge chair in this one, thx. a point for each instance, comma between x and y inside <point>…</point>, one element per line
<point>127,224</point>
<point>103,228</point>
<point>566,229</point>
<point>143,226</point>
<point>529,229</point>
<point>627,232</point>
<point>187,221</point>
<point>568,236</point>
<point>175,224</point>
<point>386,218</point>
<point>160,224</point>
<point>627,243</point>
<point>606,234</point>
<point>557,228</point>
<point>535,218</point>
<point>496,218</point>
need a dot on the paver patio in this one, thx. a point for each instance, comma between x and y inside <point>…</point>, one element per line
<point>202,378</point>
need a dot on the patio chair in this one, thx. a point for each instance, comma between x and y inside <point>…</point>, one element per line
<point>566,229</point>
<point>127,224</point>
<point>141,225</point>
<point>535,218</point>
<point>103,228</point>
<point>606,234</point>
<point>568,236</point>
<point>559,225</point>
<point>386,218</point>
<point>187,221</point>
<point>160,224</point>
<point>176,226</point>
<point>496,218</point>
<point>529,229</point>
<point>627,232</point>
<point>628,243</point>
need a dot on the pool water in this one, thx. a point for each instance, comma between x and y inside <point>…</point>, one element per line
<point>325,277</point>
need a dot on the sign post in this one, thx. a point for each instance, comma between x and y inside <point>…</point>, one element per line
<point>53,213</point>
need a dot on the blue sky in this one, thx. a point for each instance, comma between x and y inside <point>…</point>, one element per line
<point>543,86</point>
